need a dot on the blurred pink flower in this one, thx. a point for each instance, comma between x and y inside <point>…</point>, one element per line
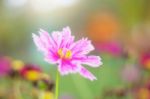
<point>145,60</point>
<point>5,66</point>
<point>31,72</point>
<point>60,48</point>
<point>113,48</point>
<point>66,96</point>
<point>130,73</point>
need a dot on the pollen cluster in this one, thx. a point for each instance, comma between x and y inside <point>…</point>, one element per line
<point>65,55</point>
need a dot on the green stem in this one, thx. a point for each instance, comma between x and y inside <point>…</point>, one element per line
<point>57,85</point>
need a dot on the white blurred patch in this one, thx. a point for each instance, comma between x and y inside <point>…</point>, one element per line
<point>65,3</point>
<point>47,5</point>
<point>15,3</point>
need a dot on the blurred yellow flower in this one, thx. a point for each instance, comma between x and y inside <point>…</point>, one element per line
<point>32,75</point>
<point>46,95</point>
<point>17,65</point>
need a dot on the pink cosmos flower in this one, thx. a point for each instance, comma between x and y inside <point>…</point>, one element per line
<point>60,48</point>
<point>5,66</point>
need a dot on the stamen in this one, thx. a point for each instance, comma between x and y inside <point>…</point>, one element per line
<point>68,54</point>
<point>60,53</point>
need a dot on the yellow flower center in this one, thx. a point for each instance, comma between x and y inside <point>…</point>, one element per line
<point>33,75</point>
<point>60,53</point>
<point>66,55</point>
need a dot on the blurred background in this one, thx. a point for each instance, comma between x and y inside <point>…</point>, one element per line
<point>119,30</point>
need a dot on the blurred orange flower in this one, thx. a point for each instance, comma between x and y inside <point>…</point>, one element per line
<point>103,27</point>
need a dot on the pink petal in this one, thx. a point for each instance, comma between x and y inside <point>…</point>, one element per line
<point>67,31</point>
<point>39,43</point>
<point>67,39</point>
<point>93,61</point>
<point>67,67</point>
<point>85,73</point>
<point>57,38</point>
<point>44,35</point>
<point>82,46</point>
<point>45,43</point>
<point>51,58</point>
<point>67,42</point>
